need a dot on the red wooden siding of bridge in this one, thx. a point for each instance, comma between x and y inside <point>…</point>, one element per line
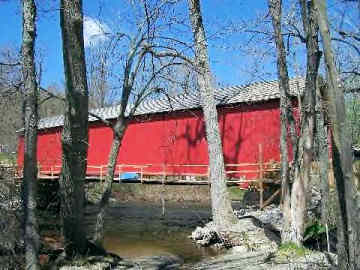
<point>177,138</point>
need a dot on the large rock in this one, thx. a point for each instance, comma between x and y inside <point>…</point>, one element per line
<point>271,216</point>
<point>249,233</point>
<point>252,234</point>
<point>263,260</point>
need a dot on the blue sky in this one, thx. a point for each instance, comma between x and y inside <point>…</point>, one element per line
<point>227,65</point>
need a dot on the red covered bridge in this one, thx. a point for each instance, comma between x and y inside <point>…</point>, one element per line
<point>167,135</point>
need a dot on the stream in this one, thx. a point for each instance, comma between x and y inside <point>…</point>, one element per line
<point>137,229</point>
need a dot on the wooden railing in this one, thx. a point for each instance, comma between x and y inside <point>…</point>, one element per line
<point>235,172</point>
<point>171,173</point>
<point>164,170</point>
<point>167,170</point>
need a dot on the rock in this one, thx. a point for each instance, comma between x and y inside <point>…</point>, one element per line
<point>236,258</point>
<point>9,197</point>
<point>239,249</point>
<point>159,262</point>
<point>113,262</point>
<point>240,213</point>
<point>251,233</point>
<point>270,216</point>
<point>205,236</point>
<point>94,263</point>
<point>248,232</point>
<point>311,260</point>
<point>10,227</point>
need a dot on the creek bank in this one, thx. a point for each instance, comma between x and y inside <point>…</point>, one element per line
<point>239,258</point>
<point>156,193</point>
<point>11,242</point>
<point>114,262</point>
<point>259,226</point>
<point>253,242</point>
<point>254,225</point>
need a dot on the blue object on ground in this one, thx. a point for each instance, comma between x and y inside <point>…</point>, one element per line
<point>129,176</point>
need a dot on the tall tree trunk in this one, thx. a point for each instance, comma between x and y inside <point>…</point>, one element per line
<point>75,130</point>
<point>348,225</point>
<point>304,154</point>
<point>323,150</point>
<point>286,117</point>
<point>222,211</point>
<point>31,236</point>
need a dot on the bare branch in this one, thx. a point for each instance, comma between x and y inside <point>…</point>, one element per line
<point>349,34</point>
<point>10,64</point>
<point>356,48</point>
<point>103,120</point>
<point>174,53</point>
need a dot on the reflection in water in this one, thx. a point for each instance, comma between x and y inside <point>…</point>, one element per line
<point>139,229</point>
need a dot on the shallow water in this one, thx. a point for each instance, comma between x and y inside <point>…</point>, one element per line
<point>140,229</point>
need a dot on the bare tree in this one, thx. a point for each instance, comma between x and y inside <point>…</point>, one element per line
<point>75,129</point>
<point>222,211</point>
<point>149,57</point>
<point>352,105</point>
<point>348,225</point>
<point>99,70</point>
<point>344,27</point>
<point>11,97</point>
<point>51,101</point>
<point>10,119</point>
<point>32,241</point>
<point>286,118</point>
<point>304,155</point>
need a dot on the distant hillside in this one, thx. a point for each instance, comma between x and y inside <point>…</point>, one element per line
<point>11,115</point>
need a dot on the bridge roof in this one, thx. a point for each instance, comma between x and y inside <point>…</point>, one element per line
<point>255,92</point>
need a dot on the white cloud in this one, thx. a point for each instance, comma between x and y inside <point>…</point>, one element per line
<point>94,31</point>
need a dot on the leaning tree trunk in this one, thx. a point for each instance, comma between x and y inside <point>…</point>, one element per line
<point>304,154</point>
<point>75,129</point>
<point>222,212</point>
<point>286,117</point>
<point>118,134</point>
<point>348,226</point>
<point>118,129</point>
<point>31,236</point>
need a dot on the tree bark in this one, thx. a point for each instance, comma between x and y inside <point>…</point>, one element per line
<point>118,134</point>
<point>286,117</point>
<point>304,155</point>
<point>348,225</point>
<point>323,151</point>
<point>118,129</point>
<point>75,129</point>
<point>31,236</point>
<point>222,211</point>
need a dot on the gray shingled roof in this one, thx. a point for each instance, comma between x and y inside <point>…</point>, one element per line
<point>255,92</point>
